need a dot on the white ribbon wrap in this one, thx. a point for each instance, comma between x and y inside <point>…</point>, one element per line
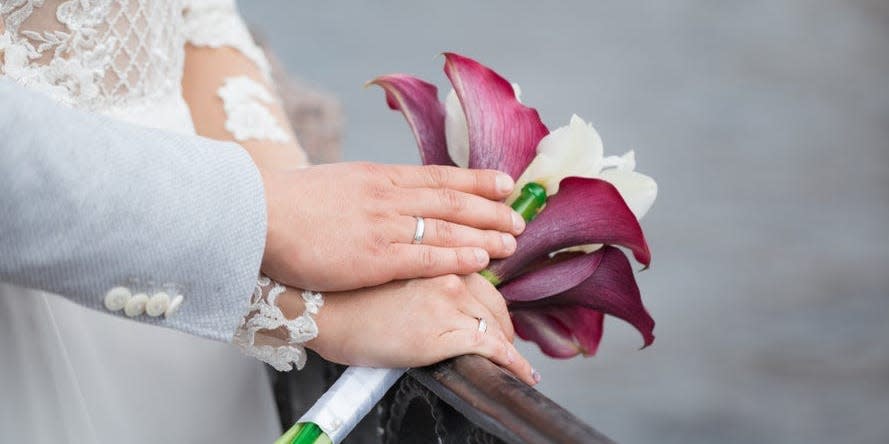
<point>350,399</point>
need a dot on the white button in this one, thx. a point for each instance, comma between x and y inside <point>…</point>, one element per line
<point>158,304</point>
<point>174,306</point>
<point>117,298</point>
<point>136,305</point>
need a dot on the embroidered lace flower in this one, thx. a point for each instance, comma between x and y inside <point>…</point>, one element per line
<point>266,334</point>
<point>90,53</point>
<point>216,23</point>
<point>246,115</point>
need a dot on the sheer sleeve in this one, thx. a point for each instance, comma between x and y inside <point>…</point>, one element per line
<point>265,332</point>
<point>228,86</point>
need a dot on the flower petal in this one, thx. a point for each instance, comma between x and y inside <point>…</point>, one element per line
<point>572,150</point>
<point>561,332</point>
<point>559,274</point>
<point>503,133</point>
<point>456,132</point>
<point>418,102</point>
<point>611,289</point>
<point>585,211</point>
<point>638,190</point>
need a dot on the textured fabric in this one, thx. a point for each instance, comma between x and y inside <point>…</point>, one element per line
<point>75,192</point>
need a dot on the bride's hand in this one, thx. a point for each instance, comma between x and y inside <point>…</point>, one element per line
<point>351,225</point>
<point>416,323</point>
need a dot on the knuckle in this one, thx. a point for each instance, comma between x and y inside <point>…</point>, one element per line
<point>452,284</point>
<point>478,344</point>
<point>437,176</point>
<point>495,348</point>
<point>428,259</point>
<point>368,169</point>
<point>378,243</point>
<point>494,241</point>
<point>378,192</point>
<point>482,181</point>
<point>451,200</point>
<point>504,215</point>
<point>445,233</point>
<point>499,306</point>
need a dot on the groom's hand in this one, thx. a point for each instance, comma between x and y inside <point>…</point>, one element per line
<point>351,225</point>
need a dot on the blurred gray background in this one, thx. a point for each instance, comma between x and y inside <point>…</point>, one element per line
<point>766,124</point>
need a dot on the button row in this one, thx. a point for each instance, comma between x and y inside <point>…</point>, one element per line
<point>160,303</point>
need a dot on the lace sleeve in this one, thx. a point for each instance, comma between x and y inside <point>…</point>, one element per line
<point>217,23</point>
<point>265,332</point>
<point>252,109</point>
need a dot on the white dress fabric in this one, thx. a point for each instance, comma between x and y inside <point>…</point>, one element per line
<point>73,375</point>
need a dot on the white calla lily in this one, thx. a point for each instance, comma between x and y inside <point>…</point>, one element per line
<point>456,131</point>
<point>576,150</point>
<point>638,190</point>
<point>572,150</point>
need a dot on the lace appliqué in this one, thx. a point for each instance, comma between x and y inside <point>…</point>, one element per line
<point>66,78</point>
<point>246,116</point>
<point>216,23</point>
<point>267,335</point>
<point>93,54</point>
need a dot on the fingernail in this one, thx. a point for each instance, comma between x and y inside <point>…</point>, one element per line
<point>504,183</point>
<point>509,357</point>
<point>535,376</point>
<point>481,256</point>
<point>518,224</point>
<point>508,242</point>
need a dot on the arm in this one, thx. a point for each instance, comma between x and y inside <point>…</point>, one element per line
<point>228,87</point>
<point>358,229</point>
<point>89,204</point>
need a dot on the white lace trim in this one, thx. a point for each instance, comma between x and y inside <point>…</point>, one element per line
<point>266,334</point>
<point>246,115</point>
<point>217,23</point>
<point>93,53</point>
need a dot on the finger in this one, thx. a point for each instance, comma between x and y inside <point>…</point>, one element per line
<point>491,184</point>
<point>413,261</point>
<point>521,368</point>
<point>493,301</point>
<point>461,208</point>
<point>440,233</point>
<point>495,348</point>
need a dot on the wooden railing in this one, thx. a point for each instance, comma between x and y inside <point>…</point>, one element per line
<point>462,400</point>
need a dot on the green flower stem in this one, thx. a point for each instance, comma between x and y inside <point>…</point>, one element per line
<point>528,204</point>
<point>304,433</point>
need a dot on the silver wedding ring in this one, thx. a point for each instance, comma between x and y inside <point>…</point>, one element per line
<point>420,231</point>
<point>482,325</point>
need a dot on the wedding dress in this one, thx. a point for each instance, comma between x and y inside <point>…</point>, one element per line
<point>69,374</point>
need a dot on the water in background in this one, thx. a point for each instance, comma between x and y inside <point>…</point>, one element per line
<point>766,124</point>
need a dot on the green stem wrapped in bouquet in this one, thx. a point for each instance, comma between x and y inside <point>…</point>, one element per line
<point>567,272</point>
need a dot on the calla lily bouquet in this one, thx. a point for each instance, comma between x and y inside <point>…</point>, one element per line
<point>567,272</point>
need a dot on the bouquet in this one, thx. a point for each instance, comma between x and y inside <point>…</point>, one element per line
<point>568,271</point>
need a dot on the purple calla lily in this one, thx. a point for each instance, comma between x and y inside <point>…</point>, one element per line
<point>558,302</point>
<point>503,133</point>
<point>418,102</point>
<point>610,289</point>
<point>559,331</point>
<point>584,211</point>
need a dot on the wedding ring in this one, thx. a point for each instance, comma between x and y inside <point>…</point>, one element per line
<point>482,325</point>
<point>420,231</point>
